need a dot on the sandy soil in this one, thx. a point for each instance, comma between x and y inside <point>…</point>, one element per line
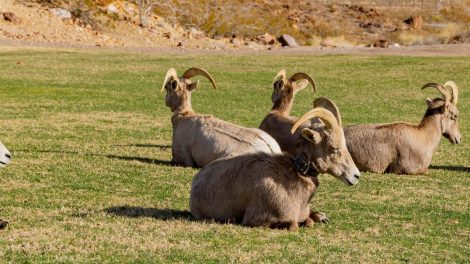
<point>39,28</point>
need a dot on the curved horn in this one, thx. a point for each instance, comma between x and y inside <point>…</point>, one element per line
<point>441,89</point>
<point>330,106</point>
<point>281,73</point>
<point>326,116</point>
<point>170,73</point>
<point>191,72</point>
<point>455,91</point>
<point>304,76</point>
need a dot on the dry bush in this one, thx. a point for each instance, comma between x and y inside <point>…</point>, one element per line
<point>227,17</point>
<point>101,2</point>
<point>145,8</point>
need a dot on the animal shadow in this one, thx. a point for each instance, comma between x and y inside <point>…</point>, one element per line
<point>156,213</point>
<point>143,160</point>
<point>145,146</point>
<point>110,156</point>
<point>450,168</point>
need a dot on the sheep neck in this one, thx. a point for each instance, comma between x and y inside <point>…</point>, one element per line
<point>183,109</point>
<point>284,107</point>
<point>431,125</point>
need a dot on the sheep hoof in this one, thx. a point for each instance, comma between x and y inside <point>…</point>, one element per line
<point>319,217</point>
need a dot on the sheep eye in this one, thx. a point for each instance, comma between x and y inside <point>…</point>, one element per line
<point>336,150</point>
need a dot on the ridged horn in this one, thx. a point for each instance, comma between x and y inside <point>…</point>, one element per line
<point>326,116</point>
<point>170,73</point>
<point>281,73</point>
<point>326,103</point>
<point>191,72</point>
<point>441,89</point>
<point>304,76</point>
<point>455,91</point>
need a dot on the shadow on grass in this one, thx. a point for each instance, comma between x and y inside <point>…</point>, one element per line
<point>145,146</point>
<point>140,159</point>
<point>450,168</point>
<point>161,214</point>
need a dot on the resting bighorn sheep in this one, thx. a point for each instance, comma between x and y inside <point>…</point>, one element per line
<point>5,159</point>
<point>274,190</point>
<point>5,156</point>
<point>278,122</point>
<point>200,139</point>
<point>404,148</point>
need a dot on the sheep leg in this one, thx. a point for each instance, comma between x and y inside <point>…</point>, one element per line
<point>417,171</point>
<point>309,222</point>
<point>319,217</point>
<point>293,226</point>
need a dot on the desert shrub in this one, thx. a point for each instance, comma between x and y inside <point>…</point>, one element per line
<point>228,17</point>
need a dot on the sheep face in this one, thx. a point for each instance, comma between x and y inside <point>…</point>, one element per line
<point>178,93</point>
<point>5,156</point>
<point>178,89</point>
<point>449,115</point>
<point>285,90</point>
<point>324,143</point>
<point>329,154</point>
<point>446,107</point>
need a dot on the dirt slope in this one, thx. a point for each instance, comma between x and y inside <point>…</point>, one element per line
<point>114,23</point>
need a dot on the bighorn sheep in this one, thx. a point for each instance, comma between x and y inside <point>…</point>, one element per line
<point>5,159</point>
<point>200,139</point>
<point>5,156</point>
<point>279,122</point>
<point>404,148</point>
<point>274,190</point>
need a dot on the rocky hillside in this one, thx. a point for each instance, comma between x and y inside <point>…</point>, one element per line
<point>256,24</point>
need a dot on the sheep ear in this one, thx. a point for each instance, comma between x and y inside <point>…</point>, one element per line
<point>429,102</point>
<point>174,85</point>
<point>193,86</point>
<point>298,86</point>
<point>311,135</point>
<point>278,84</point>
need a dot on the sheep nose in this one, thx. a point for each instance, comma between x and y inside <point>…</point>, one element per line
<point>357,175</point>
<point>8,155</point>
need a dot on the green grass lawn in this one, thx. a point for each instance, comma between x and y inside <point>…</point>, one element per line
<point>90,180</point>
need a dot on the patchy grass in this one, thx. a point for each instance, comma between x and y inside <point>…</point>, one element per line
<point>91,140</point>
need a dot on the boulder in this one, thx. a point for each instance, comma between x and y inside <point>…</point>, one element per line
<point>61,13</point>
<point>266,39</point>
<point>287,41</point>
<point>112,9</point>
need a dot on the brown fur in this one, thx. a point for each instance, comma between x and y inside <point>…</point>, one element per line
<point>403,148</point>
<point>264,189</point>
